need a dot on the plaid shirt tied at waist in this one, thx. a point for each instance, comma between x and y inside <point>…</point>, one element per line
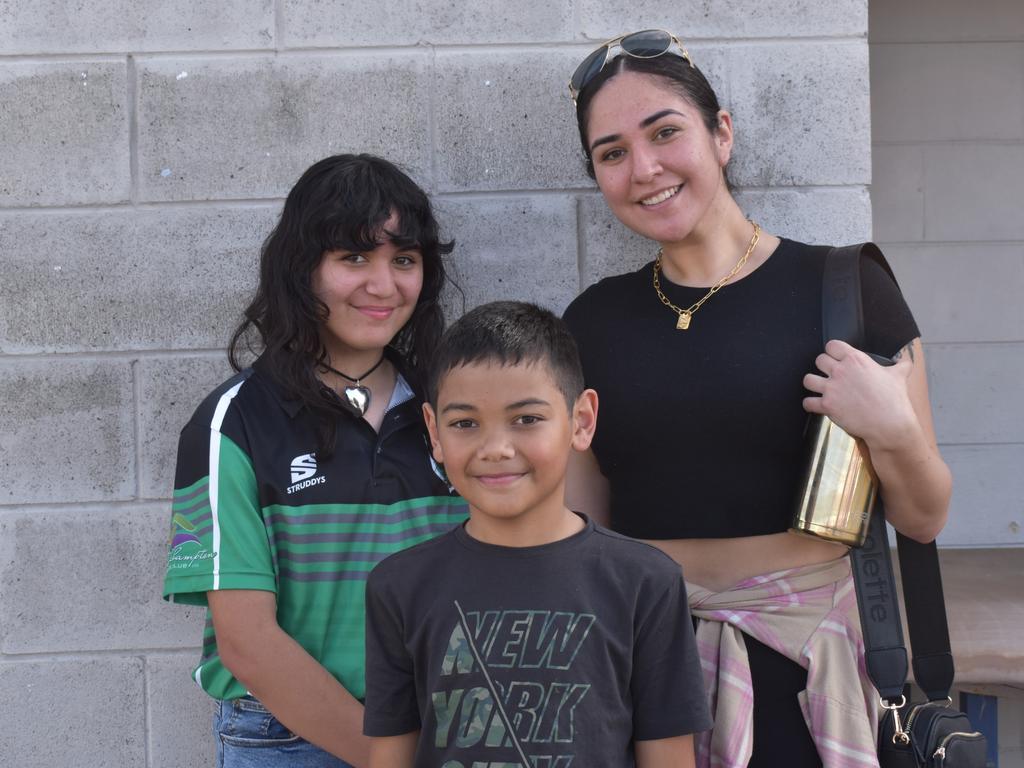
<point>808,614</point>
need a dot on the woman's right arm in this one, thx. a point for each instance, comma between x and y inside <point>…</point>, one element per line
<point>289,682</point>
<point>586,489</point>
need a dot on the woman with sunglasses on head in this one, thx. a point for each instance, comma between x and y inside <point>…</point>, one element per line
<point>707,361</point>
<point>301,472</point>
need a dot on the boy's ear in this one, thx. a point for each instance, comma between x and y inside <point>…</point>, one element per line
<point>435,444</point>
<point>584,419</point>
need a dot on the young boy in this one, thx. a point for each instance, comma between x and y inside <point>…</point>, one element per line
<point>529,638</point>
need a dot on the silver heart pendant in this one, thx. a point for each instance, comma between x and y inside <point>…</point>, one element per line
<point>358,397</point>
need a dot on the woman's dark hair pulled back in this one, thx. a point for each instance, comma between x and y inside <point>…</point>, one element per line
<point>675,72</point>
<point>339,203</point>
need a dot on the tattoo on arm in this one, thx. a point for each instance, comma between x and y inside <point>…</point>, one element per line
<point>909,349</point>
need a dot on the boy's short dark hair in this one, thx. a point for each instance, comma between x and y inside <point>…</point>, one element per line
<point>509,333</point>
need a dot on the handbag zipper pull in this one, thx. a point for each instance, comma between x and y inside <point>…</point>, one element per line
<point>940,754</point>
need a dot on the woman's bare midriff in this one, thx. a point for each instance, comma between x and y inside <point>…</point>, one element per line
<point>718,564</point>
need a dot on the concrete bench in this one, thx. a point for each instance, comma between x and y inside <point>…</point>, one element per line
<point>984,591</point>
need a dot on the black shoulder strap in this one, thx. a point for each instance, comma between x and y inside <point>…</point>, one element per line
<point>926,616</point>
<point>885,652</point>
<point>842,312</point>
<point>842,316</point>
<point>885,655</point>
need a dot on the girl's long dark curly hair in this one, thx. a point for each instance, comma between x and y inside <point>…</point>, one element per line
<point>339,203</point>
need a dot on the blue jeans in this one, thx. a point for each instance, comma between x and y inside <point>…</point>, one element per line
<point>248,736</point>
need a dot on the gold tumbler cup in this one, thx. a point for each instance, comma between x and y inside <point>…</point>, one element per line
<point>839,486</point>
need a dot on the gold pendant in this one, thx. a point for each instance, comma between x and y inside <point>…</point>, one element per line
<point>683,322</point>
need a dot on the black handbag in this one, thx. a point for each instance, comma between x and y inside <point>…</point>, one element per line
<point>932,733</point>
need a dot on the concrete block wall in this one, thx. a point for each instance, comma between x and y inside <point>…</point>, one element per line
<point>146,151</point>
<point>947,107</point>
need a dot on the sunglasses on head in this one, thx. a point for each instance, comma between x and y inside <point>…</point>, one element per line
<point>648,44</point>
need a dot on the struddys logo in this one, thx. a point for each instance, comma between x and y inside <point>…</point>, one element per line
<point>182,531</point>
<point>304,473</point>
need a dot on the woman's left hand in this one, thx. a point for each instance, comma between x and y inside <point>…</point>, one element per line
<point>888,408</point>
<point>868,400</point>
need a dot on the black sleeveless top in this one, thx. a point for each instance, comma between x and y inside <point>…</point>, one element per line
<point>700,432</point>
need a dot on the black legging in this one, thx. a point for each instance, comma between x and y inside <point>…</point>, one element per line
<point>781,737</point>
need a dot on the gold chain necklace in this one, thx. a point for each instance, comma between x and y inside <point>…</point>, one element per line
<point>685,315</point>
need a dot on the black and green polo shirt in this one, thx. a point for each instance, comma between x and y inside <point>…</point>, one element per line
<point>254,509</point>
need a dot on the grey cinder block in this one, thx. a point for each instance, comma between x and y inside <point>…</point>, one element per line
<point>408,22</point>
<point>170,389</point>
<point>897,193</point>
<point>49,713</point>
<point>946,21</point>
<point>802,114</point>
<point>975,392</point>
<point>505,121</point>
<point>608,247</point>
<point>69,124</point>
<point>988,496</point>
<point>248,127</point>
<point>832,216</point>
<point>89,580</point>
<point>911,87</point>
<point>53,26</point>
<point>984,203</point>
<point>66,431</point>
<point>127,279</point>
<point>963,292</point>
<point>521,248</point>
<point>181,733</point>
<point>602,19</point>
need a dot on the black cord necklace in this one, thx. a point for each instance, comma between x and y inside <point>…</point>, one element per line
<point>357,396</point>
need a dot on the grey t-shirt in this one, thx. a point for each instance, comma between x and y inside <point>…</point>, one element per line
<point>558,655</point>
